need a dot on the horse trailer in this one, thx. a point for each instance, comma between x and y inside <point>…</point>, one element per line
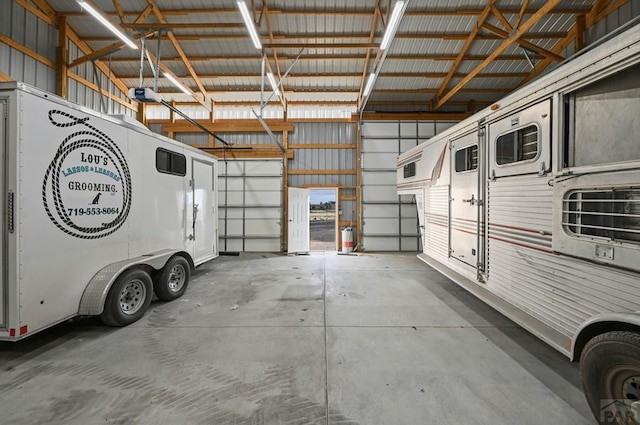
<point>533,205</point>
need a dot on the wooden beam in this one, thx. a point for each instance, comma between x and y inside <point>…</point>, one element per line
<point>365,69</point>
<point>524,43</point>
<point>581,24</point>
<point>548,6</point>
<point>25,50</point>
<point>5,77</point>
<point>414,116</point>
<point>84,48</point>
<point>100,53</point>
<point>182,54</point>
<point>498,14</point>
<point>172,26</point>
<point>322,172</point>
<point>247,154</point>
<point>521,13</point>
<point>94,87</point>
<point>274,52</point>
<point>49,19</point>
<point>463,51</point>
<point>600,10</point>
<point>323,146</point>
<point>62,57</point>
<point>226,126</point>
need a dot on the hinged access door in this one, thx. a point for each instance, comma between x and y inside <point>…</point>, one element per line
<point>465,200</point>
<point>202,215</point>
<point>298,233</point>
<point>5,214</point>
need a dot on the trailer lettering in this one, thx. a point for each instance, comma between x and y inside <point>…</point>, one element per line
<point>93,159</point>
<point>92,187</point>
<point>95,199</point>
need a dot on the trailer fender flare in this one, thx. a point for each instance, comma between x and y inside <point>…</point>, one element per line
<point>600,324</point>
<point>95,294</point>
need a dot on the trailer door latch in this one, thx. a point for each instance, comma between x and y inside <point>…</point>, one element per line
<point>10,223</point>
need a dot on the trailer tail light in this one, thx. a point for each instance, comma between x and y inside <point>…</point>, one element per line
<point>12,332</point>
<point>23,330</point>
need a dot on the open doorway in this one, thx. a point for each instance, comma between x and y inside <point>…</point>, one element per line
<point>323,219</point>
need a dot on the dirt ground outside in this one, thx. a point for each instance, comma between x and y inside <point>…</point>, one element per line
<point>322,234</point>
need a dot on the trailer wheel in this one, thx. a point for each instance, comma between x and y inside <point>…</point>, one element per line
<point>171,282</point>
<point>610,371</point>
<point>128,298</point>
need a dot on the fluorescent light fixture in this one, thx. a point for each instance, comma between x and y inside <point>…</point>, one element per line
<point>392,25</point>
<point>272,80</point>
<point>370,81</point>
<point>104,21</point>
<point>249,23</point>
<point>177,83</point>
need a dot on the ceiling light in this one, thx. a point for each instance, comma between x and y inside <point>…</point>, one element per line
<point>272,80</point>
<point>104,21</point>
<point>392,25</point>
<point>249,23</point>
<point>369,85</point>
<point>177,83</point>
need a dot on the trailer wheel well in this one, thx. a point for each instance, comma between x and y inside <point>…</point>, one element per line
<point>596,329</point>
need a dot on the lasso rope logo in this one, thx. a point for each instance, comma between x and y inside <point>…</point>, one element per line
<point>87,187</point>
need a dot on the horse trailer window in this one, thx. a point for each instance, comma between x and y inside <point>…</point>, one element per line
<point>601,121</point>
<point>467,159</point>
<point>410,170</point>
<point>517,146</point>
<point>170,162</point>
<point>609,214</point>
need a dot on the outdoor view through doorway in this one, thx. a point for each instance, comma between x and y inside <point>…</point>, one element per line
<point>322,220</point>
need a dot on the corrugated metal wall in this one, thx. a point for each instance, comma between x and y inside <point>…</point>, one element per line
<point>389,221</point>
<point>337,133</point>
<point>26,29</point>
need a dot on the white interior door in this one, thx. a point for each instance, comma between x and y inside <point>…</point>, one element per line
<point>464,199</point>
<point>203,210</point>
<point>298,234</point>
<point>4,224</point>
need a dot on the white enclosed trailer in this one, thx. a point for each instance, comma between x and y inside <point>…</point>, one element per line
<point>97,214</point>
<point>533,205</point>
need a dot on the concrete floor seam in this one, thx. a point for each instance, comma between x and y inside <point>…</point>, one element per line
<point>326,343</point>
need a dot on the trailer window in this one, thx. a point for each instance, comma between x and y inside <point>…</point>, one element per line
<point>517,146</point>
<point>171,162</point>
<point>467,159</point>
<point>612,214</point>
<point>410,170</point>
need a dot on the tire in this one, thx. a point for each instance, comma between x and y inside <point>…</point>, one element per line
<point>610,372</point>
<point>171,282</point>
<point>128,298</point>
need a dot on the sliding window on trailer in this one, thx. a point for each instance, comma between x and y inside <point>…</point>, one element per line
<point>597,197</point>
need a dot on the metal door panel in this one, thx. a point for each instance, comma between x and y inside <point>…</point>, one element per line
<point>4,224</point>
<point>464,205</point>
<point>203,209</point>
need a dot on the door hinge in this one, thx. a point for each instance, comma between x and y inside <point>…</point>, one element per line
<point>10,220</point>
<point>191,183</point>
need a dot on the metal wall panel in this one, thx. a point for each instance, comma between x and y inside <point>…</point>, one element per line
<point>250,207</point>
<point>325,159</point>
<point>389,221</point>
<point>26,29</point>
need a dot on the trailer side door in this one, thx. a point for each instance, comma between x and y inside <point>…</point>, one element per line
<point>464,199</point>
<point>5,217</point>
<point>203,214</point>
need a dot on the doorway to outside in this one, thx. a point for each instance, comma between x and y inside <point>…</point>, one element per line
<point>323,219</point>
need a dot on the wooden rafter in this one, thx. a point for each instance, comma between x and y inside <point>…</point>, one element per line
<point>463,51</point>
<point>274,52</point>
<point>50,19</point>
<point>119,11</point>
<point>364,12</point>
<point>98,54</point>
<point>524,27</point>
<point>170,26</point>
<point>521,13</point>
<point>367,59</point>
<point>349,75</point>
<point>524,43</point>
<point>181,53</point>
<point>600,10</point>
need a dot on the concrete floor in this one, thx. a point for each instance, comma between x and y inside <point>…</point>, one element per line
<point>319,339</point>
